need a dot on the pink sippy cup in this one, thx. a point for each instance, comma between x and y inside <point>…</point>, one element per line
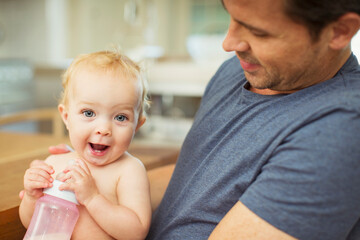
<point>55,215</point>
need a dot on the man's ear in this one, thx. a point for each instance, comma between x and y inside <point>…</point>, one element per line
<point>343,30</point>
<point>63,114</point>
<point>141,122</point>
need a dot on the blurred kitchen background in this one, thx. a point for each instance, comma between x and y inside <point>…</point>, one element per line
<point>178,42</point>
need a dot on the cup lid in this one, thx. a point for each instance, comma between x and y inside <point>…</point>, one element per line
<point>64,194</point>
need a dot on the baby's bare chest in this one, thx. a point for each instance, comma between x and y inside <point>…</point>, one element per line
<point>107,184</point>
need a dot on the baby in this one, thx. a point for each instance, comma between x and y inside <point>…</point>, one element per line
<point>102,106</point>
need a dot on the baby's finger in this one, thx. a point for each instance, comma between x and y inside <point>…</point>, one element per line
<point>83,166</point>
<point>37,184</point>
<point>70,165</point>
<point>73,175</point>
<point>63,177</point>
<point>76,168</point>
<point>36,175</point>
<point>67,186</point>
<point>38,164</point>
<point>79,170</point>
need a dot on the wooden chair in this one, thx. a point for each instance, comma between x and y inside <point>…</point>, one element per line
<point>10,225</point>
<point>36,115</point>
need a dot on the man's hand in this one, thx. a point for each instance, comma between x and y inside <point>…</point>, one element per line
<point>59,149</point>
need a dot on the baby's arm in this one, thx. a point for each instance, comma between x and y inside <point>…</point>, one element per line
<point>36,178</point>
<point>131,217</point>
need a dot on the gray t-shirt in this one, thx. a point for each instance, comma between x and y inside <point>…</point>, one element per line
<point>294,160</point>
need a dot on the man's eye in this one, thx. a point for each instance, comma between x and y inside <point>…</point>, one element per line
<point>88,113</point>
<point>120,118</point>
<point>259,34</point>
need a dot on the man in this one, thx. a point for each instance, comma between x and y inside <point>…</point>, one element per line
<point>274,149</point>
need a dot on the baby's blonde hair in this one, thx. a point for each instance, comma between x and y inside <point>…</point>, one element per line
<point>107,61</point>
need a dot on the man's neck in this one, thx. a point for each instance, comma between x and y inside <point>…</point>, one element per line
<point>268,91</point>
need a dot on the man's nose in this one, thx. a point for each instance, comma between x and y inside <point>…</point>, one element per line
<point>234,40</point>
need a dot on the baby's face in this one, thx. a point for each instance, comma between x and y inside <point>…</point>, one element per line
<point>102,115</point>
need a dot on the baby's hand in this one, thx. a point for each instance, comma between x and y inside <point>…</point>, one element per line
<point>78,179</point>
<point>37,177</point>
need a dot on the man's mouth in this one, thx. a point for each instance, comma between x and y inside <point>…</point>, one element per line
<point>98,148</point>
<point>247,63</point>
<point>249,67</point>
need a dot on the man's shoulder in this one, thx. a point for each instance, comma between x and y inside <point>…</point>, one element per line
<point>349,76</point>
<point>346,91</point>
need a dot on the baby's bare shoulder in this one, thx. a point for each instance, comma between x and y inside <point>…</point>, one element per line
<point>126,167</point>
<point>129,162</point>
<point>56,158</point>
<point>132,175</point>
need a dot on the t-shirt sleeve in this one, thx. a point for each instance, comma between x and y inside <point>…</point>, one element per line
<point>310,187</point>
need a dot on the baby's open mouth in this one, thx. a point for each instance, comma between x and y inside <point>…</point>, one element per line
<point>98,147</point>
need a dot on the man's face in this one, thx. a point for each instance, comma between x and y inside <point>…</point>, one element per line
<point>275,52</point>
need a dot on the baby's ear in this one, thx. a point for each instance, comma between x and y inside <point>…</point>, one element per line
<point>63,114</point>
<point>141,122</point>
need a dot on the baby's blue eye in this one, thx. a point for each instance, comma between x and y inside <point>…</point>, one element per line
<point>88,113</point>
<point>120,118</point>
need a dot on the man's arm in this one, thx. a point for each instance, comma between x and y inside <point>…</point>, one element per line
<point>308,186</point>
<point>241,223</point>
<point>159,179</point>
